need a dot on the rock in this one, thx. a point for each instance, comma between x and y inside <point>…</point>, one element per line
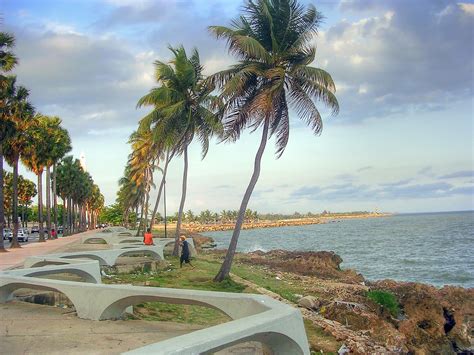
<point>208,245</point>
<point>309,302</point>
<point>343,350</point>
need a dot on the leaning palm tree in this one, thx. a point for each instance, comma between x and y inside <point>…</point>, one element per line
<point>272,40</point>
<point>182,110</point>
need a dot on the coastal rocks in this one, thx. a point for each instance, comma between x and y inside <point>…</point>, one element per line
<point>309,302</point>
<point>322,264</point>
<point>436,320</point>
<point>201,242</point>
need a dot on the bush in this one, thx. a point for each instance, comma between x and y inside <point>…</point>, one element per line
<point>386,300</point>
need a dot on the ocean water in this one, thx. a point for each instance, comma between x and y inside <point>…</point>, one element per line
<point>434,248</point>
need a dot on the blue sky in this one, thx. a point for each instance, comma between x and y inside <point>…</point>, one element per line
<point>403,71</point>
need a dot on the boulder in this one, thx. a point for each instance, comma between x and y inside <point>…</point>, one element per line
<point>309,302</point>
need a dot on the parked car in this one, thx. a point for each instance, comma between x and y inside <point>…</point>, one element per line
<point>7,233</point>
<point>60,230</point>
<point>35,229</point>
<point>22,236</point>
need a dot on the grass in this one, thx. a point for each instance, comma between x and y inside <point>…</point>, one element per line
<point>201,278</point>
<point>386,300</point>
<point>262,277</point>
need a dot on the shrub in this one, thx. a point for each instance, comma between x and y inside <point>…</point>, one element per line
<point>386,300</point>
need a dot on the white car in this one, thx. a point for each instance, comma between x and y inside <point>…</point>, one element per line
<point>7,233</point>
<point>22,235</point>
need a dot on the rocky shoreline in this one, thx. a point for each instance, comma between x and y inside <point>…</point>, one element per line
<point>214,227</point>
<point>429,320</point>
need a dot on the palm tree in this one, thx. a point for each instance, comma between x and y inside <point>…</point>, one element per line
<point>20,112</point>
<point>35,158</point>
<point>58,144</point>
<point>183,108</point>
<point>26,191</point>
<point>142,163</point>
<point>272,40</point>
<point>7,62</point>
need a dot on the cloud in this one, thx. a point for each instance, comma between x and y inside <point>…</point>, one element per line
<point>91,82</point>
<point>458,174</point>
<point>397,183</point>
<point>426,171</point>
<point>398,57</point>
<point>365,168</point>
<point>386,191</point>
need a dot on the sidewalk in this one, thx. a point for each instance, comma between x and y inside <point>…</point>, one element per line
<point>15,257</point>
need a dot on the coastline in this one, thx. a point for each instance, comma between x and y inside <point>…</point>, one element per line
<point>195,227</point>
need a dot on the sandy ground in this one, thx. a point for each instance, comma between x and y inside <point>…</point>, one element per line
<point>27,328</point>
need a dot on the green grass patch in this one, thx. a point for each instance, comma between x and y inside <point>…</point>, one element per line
<point>158,311</point>
<point>260,276</point>
<point>385,299</point>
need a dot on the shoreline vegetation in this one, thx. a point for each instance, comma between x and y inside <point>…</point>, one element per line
<point>199,227</point>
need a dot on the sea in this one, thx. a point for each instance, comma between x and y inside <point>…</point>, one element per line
<point>433,248</point>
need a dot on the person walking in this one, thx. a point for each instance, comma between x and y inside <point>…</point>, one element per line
<point>184,252</point>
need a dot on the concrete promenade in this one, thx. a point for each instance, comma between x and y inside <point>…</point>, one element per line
<point>15,257</point>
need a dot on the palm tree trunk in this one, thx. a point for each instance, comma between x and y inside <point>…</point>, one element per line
<point>64,217</point>
<point>48,201</point>
<point>40,206</point>
<point>165,169</point>
<point>141,220</point>
<point>55,200</point>
<point>226,265</point>
<point>2,211</point>
<point>15,243</point>
<point>73,217</point>
<point>181,205</point>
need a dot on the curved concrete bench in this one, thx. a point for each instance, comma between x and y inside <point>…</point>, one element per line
<point>109,257</point>
<point>254,317</point>
<point>89,270</point>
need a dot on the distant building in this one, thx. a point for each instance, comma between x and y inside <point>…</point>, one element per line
<point>82,159</point>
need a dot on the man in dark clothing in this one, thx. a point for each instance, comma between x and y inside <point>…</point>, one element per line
<point>184,252</point>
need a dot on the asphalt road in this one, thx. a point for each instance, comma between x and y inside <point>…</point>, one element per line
<point>32,238</point>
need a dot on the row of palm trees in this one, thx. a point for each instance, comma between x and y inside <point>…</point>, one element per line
<point>225,216</point>
<point>272,42</point>
<point>39,142</point>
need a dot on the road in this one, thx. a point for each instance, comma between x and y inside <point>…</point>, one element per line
<point>32,238</point>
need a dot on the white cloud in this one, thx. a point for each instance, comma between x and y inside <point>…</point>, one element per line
<point>467,8</point>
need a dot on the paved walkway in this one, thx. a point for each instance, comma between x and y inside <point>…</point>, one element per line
<point>15,257</point>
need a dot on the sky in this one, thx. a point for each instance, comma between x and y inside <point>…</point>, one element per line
<point>402,142</point>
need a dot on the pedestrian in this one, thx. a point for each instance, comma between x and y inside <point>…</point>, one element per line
<point>184,252</point>
<point>148,237</point>
<point>53,233</point>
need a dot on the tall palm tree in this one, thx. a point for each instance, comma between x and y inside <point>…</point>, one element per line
<point>58,144</point>
<point>272,40</point>
<point>20,112</point>
<point>8,61</point>
<point>182,110</point>
<point>64,186</point>
<point>35,158</point>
